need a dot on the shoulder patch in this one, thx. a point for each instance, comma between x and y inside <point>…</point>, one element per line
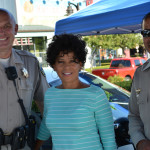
<point>42,71</point>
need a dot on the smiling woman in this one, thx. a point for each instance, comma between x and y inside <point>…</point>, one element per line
<point>76,115</point>
<point>67,68</point>
<point>67,55</point>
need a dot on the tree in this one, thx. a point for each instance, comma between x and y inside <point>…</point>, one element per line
<point>114,41</point>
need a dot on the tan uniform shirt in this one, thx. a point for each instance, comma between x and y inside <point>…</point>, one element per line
<point>30,88</point>
<point>139,104</point>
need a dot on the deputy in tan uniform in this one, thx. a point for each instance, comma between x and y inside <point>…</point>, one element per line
<point>30,84</point>
<point>139,104</point>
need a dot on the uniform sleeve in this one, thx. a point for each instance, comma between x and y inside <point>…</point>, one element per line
<point>104,121</point>
<point>41,85</point>
<point>136,128</point>
<point>43,133</point>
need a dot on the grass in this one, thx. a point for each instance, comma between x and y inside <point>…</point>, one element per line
<point>103,66</point>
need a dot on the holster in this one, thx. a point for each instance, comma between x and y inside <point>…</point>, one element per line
<point>20,136</point>
<point>18,141</point>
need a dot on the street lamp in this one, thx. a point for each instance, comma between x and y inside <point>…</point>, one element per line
<point>69,8</point>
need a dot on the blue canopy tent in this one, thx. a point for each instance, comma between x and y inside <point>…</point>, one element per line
<point>106,17</point>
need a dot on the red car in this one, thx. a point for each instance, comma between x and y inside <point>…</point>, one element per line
<point>124,67</point>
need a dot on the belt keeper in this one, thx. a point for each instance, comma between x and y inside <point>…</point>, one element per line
<point>7,134</point>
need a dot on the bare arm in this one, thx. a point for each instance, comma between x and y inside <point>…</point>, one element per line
<point>38,144</point>
<point>143,145</point>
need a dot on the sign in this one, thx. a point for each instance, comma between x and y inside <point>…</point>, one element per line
<point>22,41</point>
<point>43,12</point>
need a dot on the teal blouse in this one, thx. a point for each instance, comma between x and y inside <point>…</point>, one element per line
<point>77,119</point>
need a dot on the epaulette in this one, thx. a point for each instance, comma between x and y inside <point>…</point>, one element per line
<point>145,65</point>
<point>24,53</point>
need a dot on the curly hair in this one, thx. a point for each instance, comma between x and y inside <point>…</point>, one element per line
<point>66,43</point>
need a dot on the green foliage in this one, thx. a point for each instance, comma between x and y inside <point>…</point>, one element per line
<point>105,61</point>
<point>114,41</point>
<point>40,44</point>
<point>103,66</point>
<point>120,82</point>
<point>125,84</point>
<point>108,94</point>
<point>115,79</point>
<point>88,70</point>
<point>34,107</point>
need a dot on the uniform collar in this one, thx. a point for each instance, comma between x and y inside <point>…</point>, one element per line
<point>146,65</point>
<point>15,57</point>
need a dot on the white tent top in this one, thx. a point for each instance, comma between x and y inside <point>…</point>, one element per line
<point>106,17</point>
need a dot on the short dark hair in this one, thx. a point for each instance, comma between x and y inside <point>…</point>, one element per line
<point>145,17</point>
<point>66,43</point>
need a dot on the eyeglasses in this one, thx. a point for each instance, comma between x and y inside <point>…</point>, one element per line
<point>145,33</point>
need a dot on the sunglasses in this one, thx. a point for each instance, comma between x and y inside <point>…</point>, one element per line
<point>145,33</point>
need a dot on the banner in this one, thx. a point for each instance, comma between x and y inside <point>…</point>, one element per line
<point>43,12</point>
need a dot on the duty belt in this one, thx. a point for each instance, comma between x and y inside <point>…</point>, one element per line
<point>20,136</point>
<point>7,139</point>
<point>17,139</point>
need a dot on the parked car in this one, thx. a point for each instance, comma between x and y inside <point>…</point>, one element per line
<point>124,67</point>
<point>118,98</point>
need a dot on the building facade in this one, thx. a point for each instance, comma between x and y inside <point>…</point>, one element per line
<point>36,20</point>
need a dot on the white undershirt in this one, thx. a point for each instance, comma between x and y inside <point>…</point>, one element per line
<point>4,62</point>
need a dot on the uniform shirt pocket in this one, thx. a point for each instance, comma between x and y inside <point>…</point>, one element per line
<point>25,84</point>
<point>144,105</point>
<point>26,92</point>
<point>141,97</point>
